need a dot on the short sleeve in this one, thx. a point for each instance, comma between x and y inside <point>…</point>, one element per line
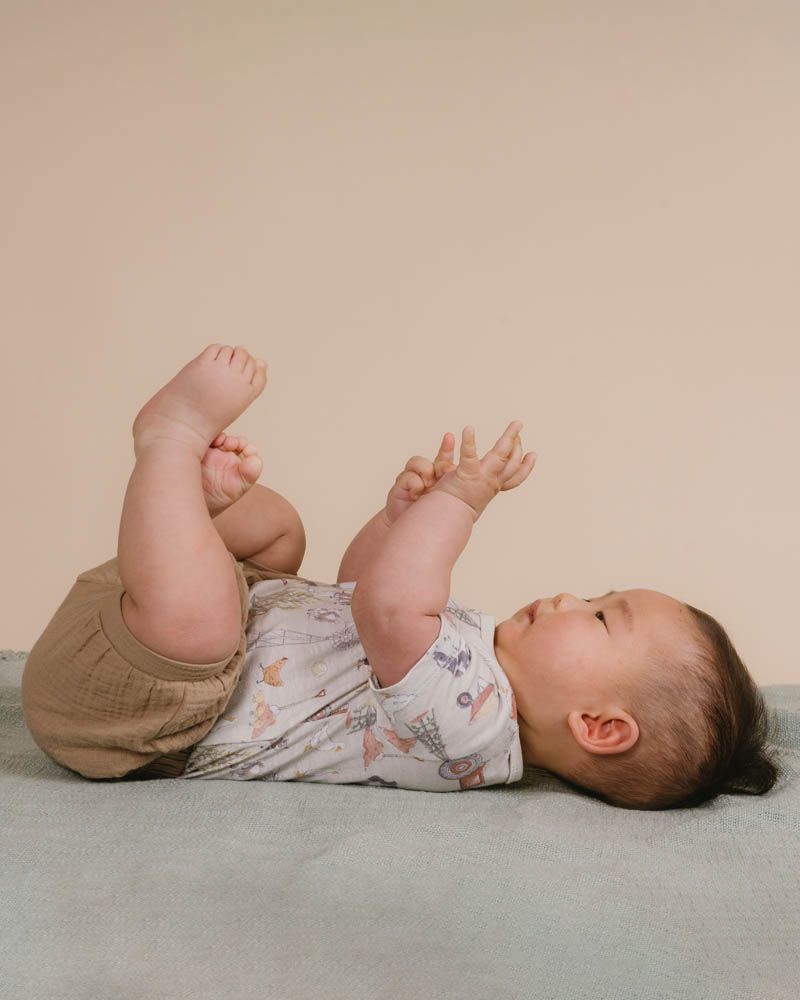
<point>419,674</point>
<point>455,700</point>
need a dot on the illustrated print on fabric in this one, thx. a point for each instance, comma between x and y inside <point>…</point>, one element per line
<point>295,597</point>
<point>468,770</point>
<point>344,638</point>
<point>482,705</point>
<point>363,719</point>
<point>252,771</point>
<point>377,780</point>
<point>262,715</point>
<point>321,740</point>
<point>327,613</point>
<point>396,703</point>
<point>327,710</point>
<point>463,615</point>
<point>456,659</point>
<point>509,691</point>
<point>228,758</point>
<point>271,674</point>
<point>248,770</point>
<point>319,668</point>
<point>403,744</point>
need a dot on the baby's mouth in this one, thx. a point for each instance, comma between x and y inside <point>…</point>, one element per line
<point>532,611</point>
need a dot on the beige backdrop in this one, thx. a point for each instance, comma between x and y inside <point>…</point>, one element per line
<point>423,214</point>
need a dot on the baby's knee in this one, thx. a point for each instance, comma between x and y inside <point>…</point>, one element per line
<point>205,641</point>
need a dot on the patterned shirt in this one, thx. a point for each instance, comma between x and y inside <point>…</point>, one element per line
<point>308,707</point>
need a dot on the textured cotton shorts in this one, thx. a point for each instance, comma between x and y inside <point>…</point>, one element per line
<point>100,703</point>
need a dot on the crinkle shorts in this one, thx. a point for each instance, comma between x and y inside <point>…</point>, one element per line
<point>101,704</point>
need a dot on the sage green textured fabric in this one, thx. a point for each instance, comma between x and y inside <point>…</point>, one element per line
<point>292,891</point>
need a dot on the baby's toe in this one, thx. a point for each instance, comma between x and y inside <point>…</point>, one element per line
<point>240,357</point>
<point>259,379</point>
<point>249,369</point>
<point>250,468</point>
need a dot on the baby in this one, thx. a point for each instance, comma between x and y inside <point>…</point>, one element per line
<point>199,653</point>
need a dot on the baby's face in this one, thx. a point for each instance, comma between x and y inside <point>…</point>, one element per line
<point>580,655</point>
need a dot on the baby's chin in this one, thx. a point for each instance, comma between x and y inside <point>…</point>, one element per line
<point>507,635</point>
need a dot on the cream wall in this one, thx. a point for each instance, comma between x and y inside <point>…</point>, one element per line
<point>423,214</point>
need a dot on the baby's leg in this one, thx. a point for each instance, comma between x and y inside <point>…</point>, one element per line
<point>181,596</point>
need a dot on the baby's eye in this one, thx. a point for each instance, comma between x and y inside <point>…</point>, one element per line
<point>597,614</point>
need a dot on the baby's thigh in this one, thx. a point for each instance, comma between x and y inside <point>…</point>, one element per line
<point>202,645</point>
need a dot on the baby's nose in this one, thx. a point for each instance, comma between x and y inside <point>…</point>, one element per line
<point>566,600</point>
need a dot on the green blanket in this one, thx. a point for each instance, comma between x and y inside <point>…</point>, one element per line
<point>293,891</point>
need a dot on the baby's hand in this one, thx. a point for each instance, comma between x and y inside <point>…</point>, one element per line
<point>418,477</point>
<point>478,481</point>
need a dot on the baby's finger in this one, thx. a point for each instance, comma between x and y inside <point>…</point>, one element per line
<point>411,483</point>
<point>498,457</point>
<point>469,461</point>
<point>522,472</point>
<point>423,468</point>
<point>444,459</point>
<point>512,465</point>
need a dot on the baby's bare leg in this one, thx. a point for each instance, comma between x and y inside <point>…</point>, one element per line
<point>181,595</point>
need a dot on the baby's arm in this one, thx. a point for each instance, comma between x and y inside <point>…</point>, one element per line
<point>398,599</point>
<point>418,476</point>
<point>399,596</point>
<point>363,548</point>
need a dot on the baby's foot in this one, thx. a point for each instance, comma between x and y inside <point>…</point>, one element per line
<point>229,468</point>
<point>206,395</point>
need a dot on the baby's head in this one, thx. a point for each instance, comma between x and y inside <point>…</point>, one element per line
<point>636,698</point>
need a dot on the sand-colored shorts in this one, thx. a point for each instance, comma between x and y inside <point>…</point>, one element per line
<point>100,703</point>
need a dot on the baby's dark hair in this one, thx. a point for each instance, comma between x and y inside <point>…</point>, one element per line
<point>704,730</point>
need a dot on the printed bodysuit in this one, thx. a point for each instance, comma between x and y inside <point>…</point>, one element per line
<point>308,707</point>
